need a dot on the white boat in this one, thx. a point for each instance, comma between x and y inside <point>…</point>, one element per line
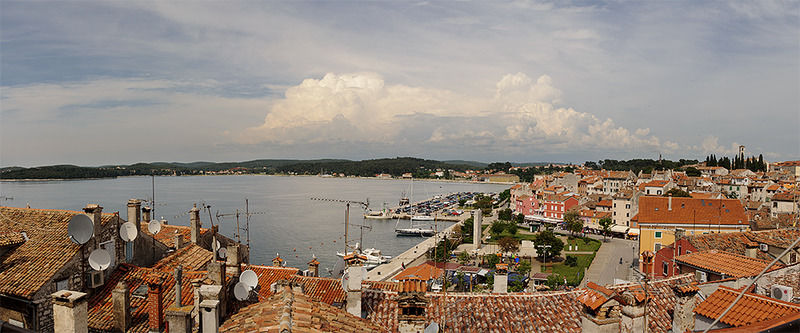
<point>374,257</point>
<point>422,218</point>
<point>383,214</point>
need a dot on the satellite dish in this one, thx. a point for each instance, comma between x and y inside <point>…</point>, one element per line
<point>127,231</point>
<point>249,278</point>
<point>99,259</point>
<point>222,252</point>
<point>218,245</point>
<point>432,328</point>
<point>154,227</point>
<point>80,229</point>
<point>241,291</point>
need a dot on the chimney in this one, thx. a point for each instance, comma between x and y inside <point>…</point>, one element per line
<point>501,279</point>
<point>277,261</point>
<point>70,312</point>
<point>751,250</point>
<point>121,306</point>
<point>685,302</point>
<point>134,213</point>
<point>669,201</point>
<point>95,213</point>
<point>679,233</point>
<point>233,263</point>
<point>154,304</point>
<point>194,222</point>
<point>411,304</point>
<point>647,263</point>
<point>216,272</point>
<point>146,214</point>
<point>355,274</point>
<point>196,285</point>
<point>633,309</point>
<point>178,240</point>
<point>313,266</point>
<point>179,319</point>
<point>209,313</point>
<point>178,281</point>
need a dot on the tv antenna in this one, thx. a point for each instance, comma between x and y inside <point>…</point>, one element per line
<point>347,203</point>
<point>247,213</point>
<point>81,230</point>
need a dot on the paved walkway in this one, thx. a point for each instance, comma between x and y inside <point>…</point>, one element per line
<point>606,265</point>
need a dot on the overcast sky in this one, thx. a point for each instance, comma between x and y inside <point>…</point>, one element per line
<point>94,83</point>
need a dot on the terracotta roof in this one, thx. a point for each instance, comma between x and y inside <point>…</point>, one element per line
<point>321,289</point>
<point>661,302</point>
<point>382,285</point>
<point>689,211</point>
<point>167,234</point>
<point>725,263</point>
<point>192,257</point>
<point>784,196</point>
<point>654,183</point>
<point>751,308</point>
<point>101,313</point>
<point>787,163</point>
<point>423,271</point>
<point>617,174</point>
<point>733,242</point>
<point>604,203</point>
<point>779,237</point>
<point>28,267</point>
<point>10,238</point>
<point>595,296</point>
<point>762,326</point>
<point>292,311</point>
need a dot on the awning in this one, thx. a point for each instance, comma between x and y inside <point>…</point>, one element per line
<point>633,231</point>
<point>619,228</point>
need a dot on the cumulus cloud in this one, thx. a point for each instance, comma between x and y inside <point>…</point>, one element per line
<point>711,145</point>
<point>522,115</point>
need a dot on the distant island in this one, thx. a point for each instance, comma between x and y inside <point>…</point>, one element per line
<point>398,167</point>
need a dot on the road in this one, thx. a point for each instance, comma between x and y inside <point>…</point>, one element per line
<point>606,265</point>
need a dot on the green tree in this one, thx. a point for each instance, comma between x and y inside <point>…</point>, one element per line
<point>676,192</point>
<point>490,260</point>
<point>463,258</point>
<point>524,267</point>
<point>545,238</point>
<point>508,244</point>
<point>573,221</point>
<point>554,281</point>
<point>497,228</point>
<point>505,214</point>
<point>519,218</point>
<point>571,261</point>
<point>606,223</point>
<point>692,172</point>
<point>466,231</point>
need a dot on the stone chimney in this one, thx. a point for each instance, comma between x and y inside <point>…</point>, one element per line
<point>633,309</point>
<point>601,309</point>
<point>70,312</point>
<point>179,319</point>
<point>647,263</point>
<point>411,305</point>
<point>355,274</point>
<point>679,233</point>
<point>155,295</point>
<point>178,240</point>
<point>501,279</point>
<point>146,214</point>
<point>194,223</point>
<point>476,229</point>
<point>216,272</point>
<point>233,263</point>
<point>121,303</point>
<point>209,313</point>
<point>277,261</point>
<point>313,266</point>
<point>134,213</point>
<point>669,202</point>
<point>751,250</point>
<point>178,281</point>
<point>685,302</point>
<point>95,212</point>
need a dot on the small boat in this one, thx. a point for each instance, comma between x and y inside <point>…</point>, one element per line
<point>427,218</point>
<point>415,232</point>
<point>374,257</point>
<point>383,214</point>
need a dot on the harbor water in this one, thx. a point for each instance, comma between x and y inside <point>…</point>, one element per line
<point>287,221</point>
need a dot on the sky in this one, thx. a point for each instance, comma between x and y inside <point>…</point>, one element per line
<point>119,82</point>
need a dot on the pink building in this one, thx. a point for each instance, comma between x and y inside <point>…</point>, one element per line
<point>526,205</point>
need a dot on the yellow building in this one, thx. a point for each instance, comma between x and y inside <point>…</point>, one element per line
<point>660,217</point>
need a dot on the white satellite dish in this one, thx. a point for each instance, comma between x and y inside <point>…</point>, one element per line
<point>154,227</point>
<point>99,259</point>
<point>127,231</point>
<point>222,252</point>
<point>241,291</point>
<point>432,328</point>
<point>249,278</point>
<point>80,229</point>
<point>345,280</point>
<point>218,245</point>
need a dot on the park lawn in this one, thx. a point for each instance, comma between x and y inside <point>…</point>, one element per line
<point>584,244</point>
<point>574,275</point>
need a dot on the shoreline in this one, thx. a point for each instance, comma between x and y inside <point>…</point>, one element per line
<point>463,181</point>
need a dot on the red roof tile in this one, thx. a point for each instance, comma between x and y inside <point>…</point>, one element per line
<point>28,267</point>
<point>423,271</point>
<point>192,257</point>
<point>751,308</point>
<point>689,211</point>
<point>725,263</point>
<point>10,238</point>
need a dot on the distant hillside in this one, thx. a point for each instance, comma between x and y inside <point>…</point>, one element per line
<point>475,164</point>
<point>394,166</point>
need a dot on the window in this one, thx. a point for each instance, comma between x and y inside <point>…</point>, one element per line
<point>665,268</point>
<point>658,234</point>
<point>62,284</point>
<point>615,205</point>
<point>792,258</point>
<point>627,206</point>
<point>679,250</point>
<point>627,214</point>
<point>688,252</point>
<point>615,213</point>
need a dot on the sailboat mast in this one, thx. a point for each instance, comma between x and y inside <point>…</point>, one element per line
<point>346,225</point>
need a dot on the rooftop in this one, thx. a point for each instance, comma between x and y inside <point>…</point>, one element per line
<point>689,211</point>
<point>725,263</point>
<point>752,308</point>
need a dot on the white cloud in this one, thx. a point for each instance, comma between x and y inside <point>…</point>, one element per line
<point>522,115</point>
